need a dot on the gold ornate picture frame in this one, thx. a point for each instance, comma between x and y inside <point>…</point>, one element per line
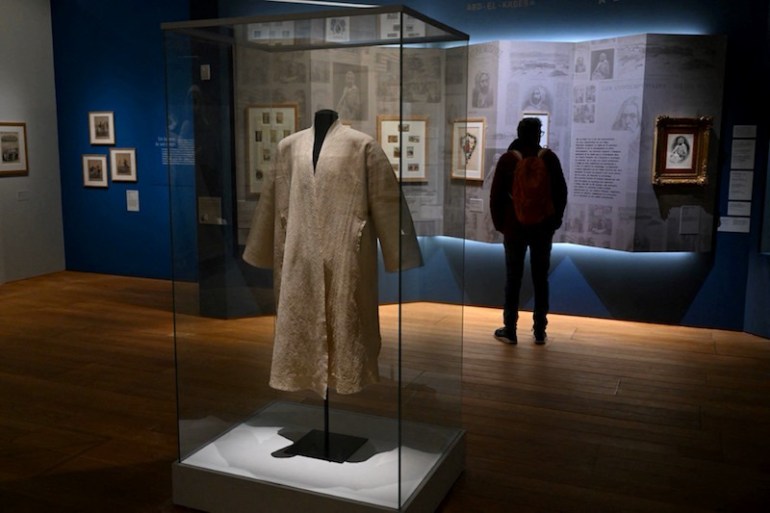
<point>681,150</point>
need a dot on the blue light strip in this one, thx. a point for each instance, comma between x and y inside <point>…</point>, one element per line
<point>324,3</point>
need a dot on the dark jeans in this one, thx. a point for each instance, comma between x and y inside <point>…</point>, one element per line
<point>539,243</point>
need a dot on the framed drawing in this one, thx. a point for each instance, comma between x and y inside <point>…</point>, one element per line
<point>95,170</point>
<point>13,148</point>
<point>266,125</point>
<point>101,127</point>
<point>468,149</point>
<point>405,142</point>
<point>543,117</point>
<point>338,29</point>
<point>681,150</point>
<point>123,164</point>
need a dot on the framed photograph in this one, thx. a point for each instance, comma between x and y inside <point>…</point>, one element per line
<point>123,164</point>
<point>681,150</point>
<point>13,148</point>
<point>543,117</point>
<point>468,149</point>
<point>405,142</point>
<point>95,170</point>
<point>101,126</point>
<point>266,125</point>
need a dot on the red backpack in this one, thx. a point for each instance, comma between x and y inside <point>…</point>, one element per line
<point>531,191</point>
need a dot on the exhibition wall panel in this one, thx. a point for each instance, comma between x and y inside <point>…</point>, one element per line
<point>31,238</point>
<point>721,288</point>
<point>710,289</point>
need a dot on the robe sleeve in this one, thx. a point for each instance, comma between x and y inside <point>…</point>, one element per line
<point>260,243</point>
<point>390,213</point>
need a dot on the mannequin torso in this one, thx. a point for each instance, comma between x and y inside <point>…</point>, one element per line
<point>321,123</point>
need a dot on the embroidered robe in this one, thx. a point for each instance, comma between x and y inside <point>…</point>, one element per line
<point>318,230</point>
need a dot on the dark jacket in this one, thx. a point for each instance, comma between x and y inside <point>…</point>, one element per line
<point>501,202</point>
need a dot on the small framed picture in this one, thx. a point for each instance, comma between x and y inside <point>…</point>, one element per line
<point>468,149</point>
<point>13,148</point>
<point>95,170</point>
<point>266,126</point>
<point>101,126</point>
<point>123,164</point>
<point>681,150</point>
<point>405,142</point>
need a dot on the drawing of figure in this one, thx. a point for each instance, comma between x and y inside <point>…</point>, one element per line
<point>349,105</point>
<point>629,115</point>
<point>680,151</point>
<point>602,70</point>
<point>537,101</point>
<point>628,120</point>
<point>483,96</point>
<point>580,66</point>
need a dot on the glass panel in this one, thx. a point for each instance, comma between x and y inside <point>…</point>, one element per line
<point>431,314</point>
<point>235,89</point>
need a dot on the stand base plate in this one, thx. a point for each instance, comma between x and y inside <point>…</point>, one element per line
<point>314,445</point>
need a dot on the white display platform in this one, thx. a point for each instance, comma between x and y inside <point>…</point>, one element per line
<point>238,472</point>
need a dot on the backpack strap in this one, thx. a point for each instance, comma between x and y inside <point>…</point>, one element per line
<point>540,153</point>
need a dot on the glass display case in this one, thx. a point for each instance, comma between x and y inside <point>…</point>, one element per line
<point>317,211</point>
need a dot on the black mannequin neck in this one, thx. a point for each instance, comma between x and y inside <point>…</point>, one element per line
<point>323,120</point>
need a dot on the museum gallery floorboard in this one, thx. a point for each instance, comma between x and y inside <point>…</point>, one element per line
<point>607,416</point>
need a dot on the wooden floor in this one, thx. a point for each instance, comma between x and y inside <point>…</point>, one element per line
<point>606,417</point>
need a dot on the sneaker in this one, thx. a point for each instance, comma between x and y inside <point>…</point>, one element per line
<point>540,337</point>
<point>506,335</point>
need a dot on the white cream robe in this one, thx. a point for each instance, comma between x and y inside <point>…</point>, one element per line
<point>318,231</point>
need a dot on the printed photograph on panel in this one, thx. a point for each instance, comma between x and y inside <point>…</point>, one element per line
<point>350,90</point>
<point>320,72</point>
<point>580,64</point>
<point>629,115</point>
<point>290,69</point>
<point>602,64</point>
<point>537,99</point>
<point>422,78</point>
<point>483,77</point>
<point>483,95</point>
<point>630,60</point>
<point>388,72</point>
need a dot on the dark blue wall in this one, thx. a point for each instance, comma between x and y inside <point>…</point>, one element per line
<point>106,46</point>
<point>758,293</point>
<point>108,56</point>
